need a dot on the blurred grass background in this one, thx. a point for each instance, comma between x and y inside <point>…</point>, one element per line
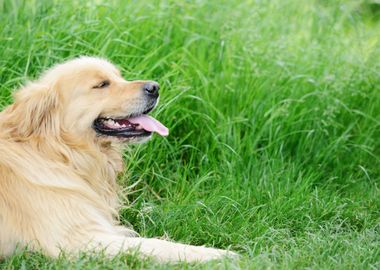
<point>273,108</point>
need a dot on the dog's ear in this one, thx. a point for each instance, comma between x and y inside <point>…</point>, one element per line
<point>35,110</point>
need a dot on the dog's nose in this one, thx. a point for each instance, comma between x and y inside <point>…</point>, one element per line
<point>151,88</point>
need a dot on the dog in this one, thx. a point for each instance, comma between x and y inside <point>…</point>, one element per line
<point>61,144</point>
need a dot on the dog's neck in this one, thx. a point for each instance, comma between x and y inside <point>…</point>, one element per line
<point>96,162</point>
<point>96,165</point>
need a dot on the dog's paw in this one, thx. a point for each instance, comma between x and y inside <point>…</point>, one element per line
<point>204,254</point>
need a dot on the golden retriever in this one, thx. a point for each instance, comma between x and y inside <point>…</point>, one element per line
<point>61,151</point>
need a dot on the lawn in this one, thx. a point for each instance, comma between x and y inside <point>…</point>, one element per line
<point>274,114</point>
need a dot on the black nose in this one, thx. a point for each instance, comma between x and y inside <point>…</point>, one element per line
<point>151,88</point>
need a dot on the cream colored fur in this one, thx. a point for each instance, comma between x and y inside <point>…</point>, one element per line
<point>58,186</point>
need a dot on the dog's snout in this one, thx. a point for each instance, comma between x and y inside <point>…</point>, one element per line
<point>151,88</point>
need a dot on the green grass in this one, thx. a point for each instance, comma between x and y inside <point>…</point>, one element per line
<point>274,112</point>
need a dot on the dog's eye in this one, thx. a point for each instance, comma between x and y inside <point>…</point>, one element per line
<point>103,84</point>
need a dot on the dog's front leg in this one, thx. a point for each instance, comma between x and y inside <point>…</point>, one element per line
<point>171,251</point>
<point>162,250</point>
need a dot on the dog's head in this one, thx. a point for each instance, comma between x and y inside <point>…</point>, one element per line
<point>87,96</point>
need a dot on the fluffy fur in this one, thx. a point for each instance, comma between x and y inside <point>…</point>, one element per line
<point>58,178</point>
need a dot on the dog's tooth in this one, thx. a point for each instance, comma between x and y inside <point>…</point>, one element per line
<point>117,124</point>
<point>123,125</point>
<point>111,123</point>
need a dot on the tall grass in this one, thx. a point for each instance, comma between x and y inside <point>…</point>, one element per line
<point>273,108</point>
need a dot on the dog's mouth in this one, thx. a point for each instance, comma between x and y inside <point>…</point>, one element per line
<point>141,125</point>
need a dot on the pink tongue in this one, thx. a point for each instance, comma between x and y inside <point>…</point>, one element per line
<point>150,124</point>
